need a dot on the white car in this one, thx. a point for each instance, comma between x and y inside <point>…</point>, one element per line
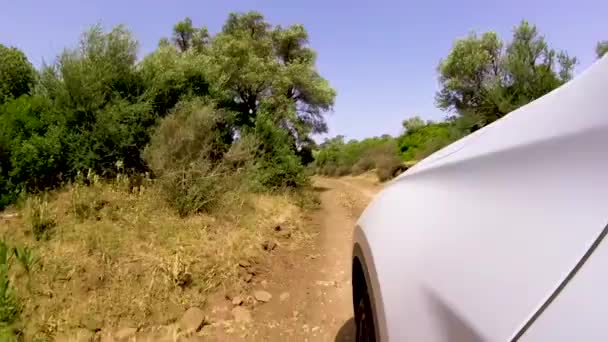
<point>499,236</point>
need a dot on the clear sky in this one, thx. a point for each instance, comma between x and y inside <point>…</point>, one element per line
<point>380,56</point>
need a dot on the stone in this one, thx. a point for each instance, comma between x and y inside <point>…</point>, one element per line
<point>285,234</point>
<point>244,263</point>
<point>241,314</point>
<point>269,245</point>
<point>248,277</point>
<point>277,227</point>
<point>262,296</point>
<point>327,283</point>
<point>92,323</point>
<point>284,296</point>
<point>125,334</point>
<point>264,283</point>
<point>192,320</point>
<point>237,300</point>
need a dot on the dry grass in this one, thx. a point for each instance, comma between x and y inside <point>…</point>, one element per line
<point>124,258</point>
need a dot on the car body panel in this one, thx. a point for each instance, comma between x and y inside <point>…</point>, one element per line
<point>579,312</point>
<point>472,241</point>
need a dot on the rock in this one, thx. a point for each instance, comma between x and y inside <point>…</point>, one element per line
<point>285,234</point>
<point>248,277</point>
<point>192,320</point>
<point>241,314</point>
<point>244,263</point>
<point>327,283</point>
<point>264,283</point>
<point>277,227</point>
<point>284,296</point>
<point>237,300</point>
<point>125,334</point>
<point>262,296</point>
<point>269,245</point>
<point>92,323</point>
<point>254,270</point>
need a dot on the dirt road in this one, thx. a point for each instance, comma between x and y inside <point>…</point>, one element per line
<point>311,289</point>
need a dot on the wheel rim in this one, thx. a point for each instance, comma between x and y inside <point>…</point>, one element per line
<point>364,325</point>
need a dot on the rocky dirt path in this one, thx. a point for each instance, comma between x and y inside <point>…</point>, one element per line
<point>305,295</point>
<point>311,289</point>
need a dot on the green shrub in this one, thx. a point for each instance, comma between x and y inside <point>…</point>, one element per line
<point>25,257</point>
<point>424,140</point>
<point>40,217</point>
<point>9,303</point>
<point>276,164</point>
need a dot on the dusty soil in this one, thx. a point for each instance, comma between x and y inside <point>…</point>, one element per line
<point>300,292</point>
<point>310,288</point>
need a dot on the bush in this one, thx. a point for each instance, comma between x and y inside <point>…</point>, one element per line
<point>342,171</point>
<point>366,163</point>
<point>276,163</point>
<point>40,217</point>
<point>193,189</point>
<point>389,167</point>
<point>337,158</point>
<point>186,153</point>
<point>388,163</point>
<point>194,132</point>
<point>424,140</point>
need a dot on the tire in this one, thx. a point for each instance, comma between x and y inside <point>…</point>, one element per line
<point>364,319</point>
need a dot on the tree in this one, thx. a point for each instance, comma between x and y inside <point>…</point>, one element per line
<point>255,67</point>
<point>601,48</point>
<point>170,75</point>
<point>99,99</point>
<point>413,124</point>
<point>186,36</point>
<point>17,75</point>
<point>482,81</point>
<point>530,66</point>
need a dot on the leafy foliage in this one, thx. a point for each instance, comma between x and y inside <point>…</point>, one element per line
<point>9,303</point>
<point>25,256</point>
<point>96,107</point>
<point>483,78</point>
<point>17,75</point>
<point>424,138</point>
<point>337,158</point>
<point>601,48</point>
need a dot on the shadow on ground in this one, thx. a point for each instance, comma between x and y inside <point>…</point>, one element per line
<point>346,332</point>
<point>320,188</point>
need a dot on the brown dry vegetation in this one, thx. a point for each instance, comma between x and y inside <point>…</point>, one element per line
<point>120,257</point>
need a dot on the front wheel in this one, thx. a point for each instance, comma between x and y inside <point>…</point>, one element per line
<point>364,320</point>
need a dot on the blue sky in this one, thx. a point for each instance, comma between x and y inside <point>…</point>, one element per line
<point>380,56</point>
